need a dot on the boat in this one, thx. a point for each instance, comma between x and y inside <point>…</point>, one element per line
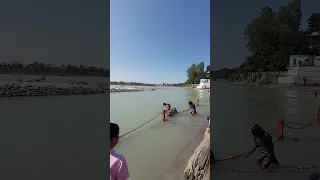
<point>204,84</point>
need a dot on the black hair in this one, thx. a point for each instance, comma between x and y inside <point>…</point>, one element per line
<point>258,131</point>
<point>208,118</point>
<point>190,103</point>
<point>114,130</point>
<point>164,104</point>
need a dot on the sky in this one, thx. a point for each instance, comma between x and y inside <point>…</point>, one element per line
<point>55,32</point>
<point>155,41</point>
<point>228,21</point>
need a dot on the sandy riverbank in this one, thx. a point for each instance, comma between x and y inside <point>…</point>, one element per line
<point>19,89</point>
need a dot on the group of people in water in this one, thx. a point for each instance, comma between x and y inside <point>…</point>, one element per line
<point>173,111</point>
<point>118,165</point>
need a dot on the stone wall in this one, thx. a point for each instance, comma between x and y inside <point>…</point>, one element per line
<point>257,78</point>
<point>198,167</point>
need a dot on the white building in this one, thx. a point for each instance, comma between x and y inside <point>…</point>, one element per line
<point>302,69</point>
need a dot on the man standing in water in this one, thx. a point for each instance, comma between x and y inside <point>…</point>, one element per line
<point>118,165</point>
<point>263,142</point>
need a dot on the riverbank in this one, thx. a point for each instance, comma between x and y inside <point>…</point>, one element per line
<point>198,167</point>
<point>272,85</point>
<point>19,89</point>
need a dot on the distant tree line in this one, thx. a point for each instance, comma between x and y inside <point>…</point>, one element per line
<point>38,68</point>
<point>143,84</point>
<point>196,72</point>
<point>130,83</point>
<point>275,35</point>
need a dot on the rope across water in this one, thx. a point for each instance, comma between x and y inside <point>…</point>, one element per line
<point>140,126</point>
<point>167,121</point>
<point>291,169</point>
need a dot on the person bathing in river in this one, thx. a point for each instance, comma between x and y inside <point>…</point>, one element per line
<point>192,107</point>
<point>263,142</point>
<point>166,106</point>
<point>169,111</point>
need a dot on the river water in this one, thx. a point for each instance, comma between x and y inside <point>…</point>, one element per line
<point>65,137</point>
<point>236,108</point>
<point>158,150</point>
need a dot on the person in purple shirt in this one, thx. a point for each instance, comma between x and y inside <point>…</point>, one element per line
<point>263,142</point>
<point>118,165</point>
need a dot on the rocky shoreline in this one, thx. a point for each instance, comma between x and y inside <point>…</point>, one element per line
<point>198,167</point>
<point>20,89</point>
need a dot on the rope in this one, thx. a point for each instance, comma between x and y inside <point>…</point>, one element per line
<point>292,169</point>
<point>185,124</point>
<point>310,123</point>
<point>243,154</point>
<point>140,126</point>
<point>302,138</point>
<point>291,127</point>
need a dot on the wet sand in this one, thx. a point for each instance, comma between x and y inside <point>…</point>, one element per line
<point>176,170</point>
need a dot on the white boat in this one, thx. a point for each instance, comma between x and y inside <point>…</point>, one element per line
<point>204,84</point>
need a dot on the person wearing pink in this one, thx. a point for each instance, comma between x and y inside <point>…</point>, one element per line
<point>118,165</point>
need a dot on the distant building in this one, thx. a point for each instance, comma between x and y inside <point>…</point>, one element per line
<point>302,69</point>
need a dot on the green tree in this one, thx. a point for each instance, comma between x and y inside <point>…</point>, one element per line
<point>314,23</point>
<point>195,73</point>
<point>273,36</point>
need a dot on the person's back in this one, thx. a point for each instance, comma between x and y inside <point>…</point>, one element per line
<point>118,165</point>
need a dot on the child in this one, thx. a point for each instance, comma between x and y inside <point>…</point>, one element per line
<point>193,108</point>
<point>118,165</point>
<point>263,142</point>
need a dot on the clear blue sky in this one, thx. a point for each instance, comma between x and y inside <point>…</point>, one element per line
<point>155,41</point>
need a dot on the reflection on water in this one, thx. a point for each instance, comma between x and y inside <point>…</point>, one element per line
<point>237,108</point>
<point>151,151</point>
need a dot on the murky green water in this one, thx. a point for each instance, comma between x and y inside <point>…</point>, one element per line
<point>157,150</point>
<point>237,108</point>
<point>65,137</point>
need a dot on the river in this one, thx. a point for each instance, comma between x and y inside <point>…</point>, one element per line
<point>236,108</point>
<point>158,150</point>
<point>65,137</point>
